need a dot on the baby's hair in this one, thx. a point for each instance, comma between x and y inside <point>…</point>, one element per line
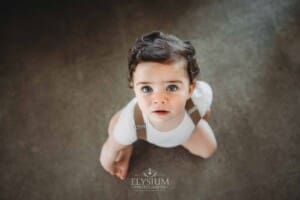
<point>159,47</point>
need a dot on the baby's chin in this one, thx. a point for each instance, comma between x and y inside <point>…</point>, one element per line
<point>160,115</point>
<point>165,116</point>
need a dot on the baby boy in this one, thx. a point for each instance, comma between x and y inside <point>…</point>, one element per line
<point>170,107</point>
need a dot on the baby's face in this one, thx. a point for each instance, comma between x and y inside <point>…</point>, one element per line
<point>162,89</point>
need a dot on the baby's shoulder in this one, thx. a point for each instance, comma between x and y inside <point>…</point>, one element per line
<point>124,130</point>
<point>202,89</point>
<point>202,96</point>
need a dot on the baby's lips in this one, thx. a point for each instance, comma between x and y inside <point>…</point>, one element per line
<point>160,110</point>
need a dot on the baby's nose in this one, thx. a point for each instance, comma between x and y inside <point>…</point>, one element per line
<point>160,98</point>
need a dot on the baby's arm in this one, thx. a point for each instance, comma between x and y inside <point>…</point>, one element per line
<point>109,154</point>
<point>202,141</point>
<point>114,156</point>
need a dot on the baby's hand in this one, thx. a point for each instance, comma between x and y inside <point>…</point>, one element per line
<point>121,163</point>
<point>120,167</point>
<point>115,162</point>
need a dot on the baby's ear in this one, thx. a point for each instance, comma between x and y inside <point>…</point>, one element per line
<point>130,84</point>
<point>191,88</point>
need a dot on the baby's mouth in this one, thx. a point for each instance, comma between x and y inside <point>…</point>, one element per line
<point>161,112</point>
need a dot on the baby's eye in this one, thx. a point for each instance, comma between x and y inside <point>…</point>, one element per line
<point>146,89</point>
<point>172,88</point>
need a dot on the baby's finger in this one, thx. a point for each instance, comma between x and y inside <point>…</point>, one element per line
<point>119,171</point>
<point>122,174</point>
<point>119,174</point>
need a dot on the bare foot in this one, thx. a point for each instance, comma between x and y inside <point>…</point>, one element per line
<point>122,162</point>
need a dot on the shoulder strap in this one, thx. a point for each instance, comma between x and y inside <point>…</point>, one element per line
<point>192,111</point>
<point>139,123</point>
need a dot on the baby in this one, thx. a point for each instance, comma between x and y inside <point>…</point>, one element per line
<point>170,107</point>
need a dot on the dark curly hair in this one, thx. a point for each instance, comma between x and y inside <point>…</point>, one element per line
<point>159,47</point>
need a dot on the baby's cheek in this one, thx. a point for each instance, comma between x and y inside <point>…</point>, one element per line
<point>143,104</point>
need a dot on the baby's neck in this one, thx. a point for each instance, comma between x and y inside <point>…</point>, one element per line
<point>165,126</point>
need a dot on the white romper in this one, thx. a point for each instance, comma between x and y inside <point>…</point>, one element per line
<point>125,133</point>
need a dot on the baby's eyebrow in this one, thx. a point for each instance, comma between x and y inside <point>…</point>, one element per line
<point>143,83</point>
<point>175,81</point>
<point>148,83</point>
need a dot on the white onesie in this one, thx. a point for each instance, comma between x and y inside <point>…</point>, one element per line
<point>125,133</point>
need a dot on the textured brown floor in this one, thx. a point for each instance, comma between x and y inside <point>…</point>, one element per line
<point>63,74</point>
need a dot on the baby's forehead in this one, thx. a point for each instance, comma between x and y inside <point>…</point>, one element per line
<point>179,65</point>
<point>156,71</point>
<point>178,62</point>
